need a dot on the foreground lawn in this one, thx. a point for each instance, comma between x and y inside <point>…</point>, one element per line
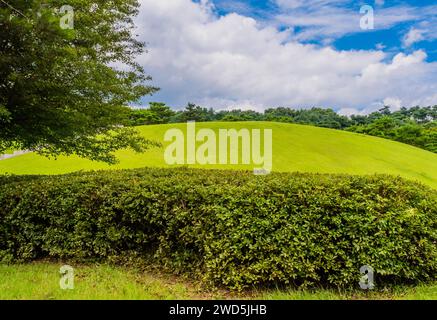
<point>295,148</point>
<point>41,281</point>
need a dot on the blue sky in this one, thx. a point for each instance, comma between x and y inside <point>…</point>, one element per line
<point>250,54</point>
<point>390,37</point>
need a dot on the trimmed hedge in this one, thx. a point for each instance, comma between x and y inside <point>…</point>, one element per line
<point>228,228</point>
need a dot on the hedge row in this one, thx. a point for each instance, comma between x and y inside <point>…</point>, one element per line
<point>230,229</point>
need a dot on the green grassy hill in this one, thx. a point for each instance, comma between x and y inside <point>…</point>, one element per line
<point>295,148</point>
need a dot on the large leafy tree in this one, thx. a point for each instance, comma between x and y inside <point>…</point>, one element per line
<point>63,85</point>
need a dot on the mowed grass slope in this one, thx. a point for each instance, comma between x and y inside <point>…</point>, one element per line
<point>295,148</point>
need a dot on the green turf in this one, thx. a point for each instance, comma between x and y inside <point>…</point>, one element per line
<point>295,148</point>
<point>8,151</point>
<point>40,281</point>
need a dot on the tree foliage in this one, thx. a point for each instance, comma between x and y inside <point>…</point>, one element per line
<point>157,113</point>
<point>416,126</point>
<point>228,228</point>
<point>60,92</point>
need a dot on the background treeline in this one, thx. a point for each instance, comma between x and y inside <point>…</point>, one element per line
<point>416,126</point>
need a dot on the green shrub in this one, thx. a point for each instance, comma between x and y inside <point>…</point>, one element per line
<point>230,229</point>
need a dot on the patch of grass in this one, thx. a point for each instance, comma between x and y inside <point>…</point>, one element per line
<point>40,281</point>
<point>295,148</point>
<point>421,292</point>
<point>8,151</point>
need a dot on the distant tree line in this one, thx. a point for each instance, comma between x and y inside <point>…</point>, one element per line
<point>416,126</point>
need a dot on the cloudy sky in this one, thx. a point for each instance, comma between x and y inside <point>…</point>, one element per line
<point>298,53</point>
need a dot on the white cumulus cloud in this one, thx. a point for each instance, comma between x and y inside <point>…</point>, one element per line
<point>413,36</point>
<point>234,61</point>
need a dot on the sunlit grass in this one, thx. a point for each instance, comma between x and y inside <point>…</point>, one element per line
<point>295,148</point>
<point>40,281</point>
